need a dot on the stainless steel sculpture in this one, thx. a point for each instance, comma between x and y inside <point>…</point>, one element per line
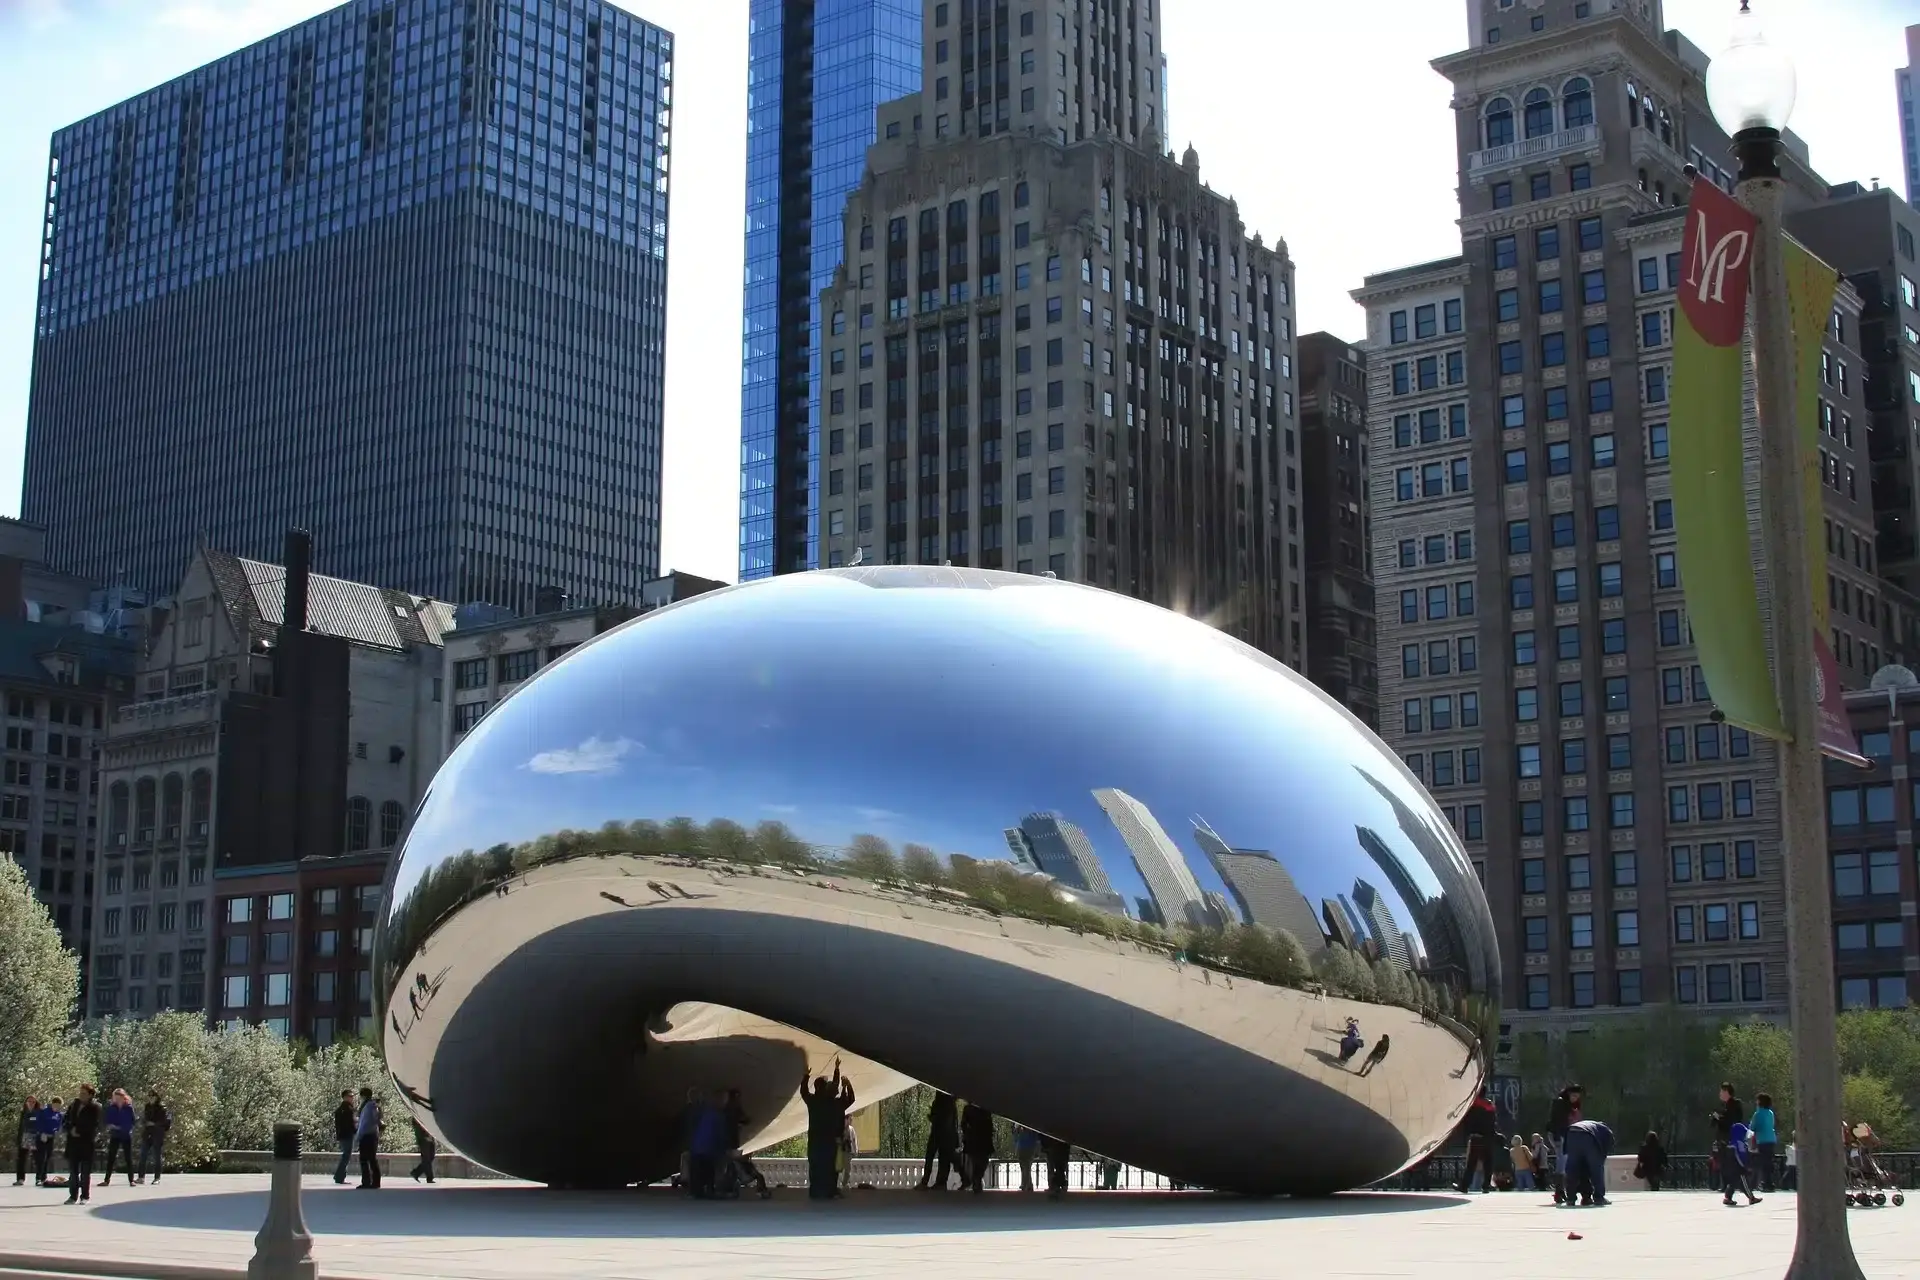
<point>1103,868</point>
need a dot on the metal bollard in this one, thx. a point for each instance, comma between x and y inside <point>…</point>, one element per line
<point>283,1249</point>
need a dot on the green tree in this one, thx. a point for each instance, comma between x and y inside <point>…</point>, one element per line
<point>170,1051</point>
<point>40,980</point>
<point>1868,1099</point>
<point>1755,1057</point>
<point>255,1086</point>
<point>903,1123</point>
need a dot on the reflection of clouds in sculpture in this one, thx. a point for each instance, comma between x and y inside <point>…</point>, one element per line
<point>595,755</point>
<point>890,840</point>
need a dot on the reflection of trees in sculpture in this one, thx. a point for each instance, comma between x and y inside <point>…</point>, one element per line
<point>997,887</point>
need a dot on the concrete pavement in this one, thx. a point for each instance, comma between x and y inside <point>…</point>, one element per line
<point>201,1228</point>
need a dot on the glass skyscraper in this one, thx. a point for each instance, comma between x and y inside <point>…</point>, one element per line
<point>397,274</point>
<point>816,71</point>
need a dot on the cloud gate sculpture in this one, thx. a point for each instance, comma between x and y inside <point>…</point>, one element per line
<point>1096,866</point>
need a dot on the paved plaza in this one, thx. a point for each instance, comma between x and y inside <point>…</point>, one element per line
<point>190,1227</point>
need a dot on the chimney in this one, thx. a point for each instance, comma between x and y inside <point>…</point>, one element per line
<point>299,559</point>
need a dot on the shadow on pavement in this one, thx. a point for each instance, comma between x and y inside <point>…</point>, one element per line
<point>534,1212</point>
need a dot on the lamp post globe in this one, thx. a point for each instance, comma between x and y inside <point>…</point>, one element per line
<point>1751,85</point>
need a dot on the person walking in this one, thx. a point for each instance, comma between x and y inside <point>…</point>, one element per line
<point>1730,1146</point>
<point>827,1107</point>
<point>367,1126</point>
<point>706,1146</point>
<point>1479,1126</point>
<point>943,1139</point>
<point>1522,1157</point>
<point>1059,1152</point>
<point>82,1126</point>
<point>1588,1143</point>
<point>27,1138</point>
<point>1765,1139</point>
<point>424,1144</point>
<point>976,1145</point>
<point>51,1118</point>
<point>155,1121</point>
<point>1378,1056</point>
<point>346,1127</point>
<point>1651,1164</point>
<point>119,1133</point>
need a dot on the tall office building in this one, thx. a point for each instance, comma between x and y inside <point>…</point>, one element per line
<point>817,70</point>
<point>1262,889</point>
<point>1538,673</point>
<point>1377,914</point>
<point>397,274</point>
<point>1341,657</point>
<point>1176,894</point>
<point>1062,850</point>
<point>1052,348</point>
<point>1906,83</point>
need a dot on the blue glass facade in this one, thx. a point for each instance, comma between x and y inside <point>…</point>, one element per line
<point>397,273</point>
<point>817,70</point>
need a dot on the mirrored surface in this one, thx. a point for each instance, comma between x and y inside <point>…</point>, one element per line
<point>1100,867</point>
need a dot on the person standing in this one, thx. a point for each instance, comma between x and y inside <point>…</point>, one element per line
<point>366,1131</point>
<point>1791,1182</point>
<point>1564,1115</point>
<point>976,1145</point>
<point>1026,1145</point>
<point>119,1133</point>
<point>1058,1152</point>
<point>744,1168</point>
<point>943,1139</point>
<point>424,1144</point>
<point>26,1133</point>
<point>82,1125</point>
<point>51,1120</point>
<point>1651,1166</point>
<point>346,1127</point>
<point>827,1107</point>
<point>155,1121</point>
<point>1522,1156</point>
<point>1765,1138</point>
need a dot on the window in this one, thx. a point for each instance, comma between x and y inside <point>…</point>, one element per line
<point>1550,296</point>
<point>1626,869</point>
<point>1686,985</point>
<point>1619,751</point>
<point>1510,359</point>
<point>1573,813</point>
<point>1626,928</point>
<point>1580,931</point>
<point>1657,442</point>
<point>1719,984</point>
<point>1679,805</point>
<point>1666,569</point>
<point>1515,461</point>
<point>1613,636</point>
<point>1546,243</point>
<point>1505,254</point>
<point>1533,821</point>
<point>1590,235</point>
<point>1579,872</point>
<point>1502,194</point>
<point>1520,592</point>
<point>1716,922</point>
<point>1620,810</point>
<point>234,992</point>
<point>1527,759</point>
<point>1870,874</point>
<point>1749,918</point>
<point>238,910</point>
<point>1519,537</point>
<point>1593,287</point>
<point>1526,704</point>
<point>1535,933</point>
<point>1600,395</point>
<point>1559,458</point>
<point>1538,995</point>
<point>1506,305</point>
<point>1533,875</point>
<point>1523,649</point>
<point>1451,316</point>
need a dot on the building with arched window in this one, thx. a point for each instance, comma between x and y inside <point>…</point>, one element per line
<point>1537,667</point>
<point>255,789</point>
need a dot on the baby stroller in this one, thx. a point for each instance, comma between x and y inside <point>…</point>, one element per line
<point>1868,1185</point>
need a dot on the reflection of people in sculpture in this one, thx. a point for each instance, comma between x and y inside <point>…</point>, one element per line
<point>943,1139</point>
<point>976,1144</point>
<point>743,1166</point>
<point>1378,1056</point>
<point>1351,1041</point>
<point>1026,1145</point>
<point>827,1107</point>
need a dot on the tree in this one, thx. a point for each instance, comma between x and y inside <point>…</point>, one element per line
<point>255,1085</point>
<point>871,858</point>
<point>169,1051</point>
<point>1756,1057</point>
<point>903,1123</point>
<point>1868,1099</point>
<point>41,981</point>
<point>921,864</point>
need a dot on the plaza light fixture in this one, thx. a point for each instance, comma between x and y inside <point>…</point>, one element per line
<point>1751,89</point>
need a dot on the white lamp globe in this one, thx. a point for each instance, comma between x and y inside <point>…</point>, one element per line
<point>1752,84</point>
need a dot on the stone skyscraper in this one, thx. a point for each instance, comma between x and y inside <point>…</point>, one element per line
<point>397,275</point>
<point>1536,666</point>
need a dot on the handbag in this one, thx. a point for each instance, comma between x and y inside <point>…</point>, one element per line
<point>1639,1169</point>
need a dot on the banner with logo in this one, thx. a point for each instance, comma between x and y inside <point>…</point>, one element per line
<point>1708,463</point>
<point>1811,285</point>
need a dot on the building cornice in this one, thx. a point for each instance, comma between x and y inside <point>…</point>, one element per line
<point>1451,271</point>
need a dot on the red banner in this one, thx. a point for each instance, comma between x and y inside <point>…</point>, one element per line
<point>1716,263</point>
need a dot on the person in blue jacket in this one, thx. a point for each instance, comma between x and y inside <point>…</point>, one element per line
<point>1734,1167</point>
<point>1589,1142</point>
<point>119,1133</point>
<point>51,1119</point>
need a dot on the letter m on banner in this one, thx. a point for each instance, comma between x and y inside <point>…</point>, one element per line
<point>1708,460</point>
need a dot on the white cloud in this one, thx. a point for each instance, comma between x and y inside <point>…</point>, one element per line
<point>595,755</point>
<point>784,810</point>
<point>875,815</point>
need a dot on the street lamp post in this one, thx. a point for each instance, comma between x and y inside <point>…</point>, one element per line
<point>1751,89</point>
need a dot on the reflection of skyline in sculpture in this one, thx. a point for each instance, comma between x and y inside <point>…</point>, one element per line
<point>1339,928</point>
<point>1176,894</point>
<point>1377,915</point>
<point>1262,887</point>
<point>1358,924</point>
<point>1458,940</point>
<point>1062,850</point>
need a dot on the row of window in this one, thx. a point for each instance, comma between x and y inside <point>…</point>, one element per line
<point>1724,982</point>
<point>1429,319</point>
<point>1608,582</point>
<point>1440,657</point>
<point>1540,185</point>
<point>276,947</point>
<point>1433,548</point>
<point>276,989</point>
<point>1578,868</point>
<point>1439,598</point>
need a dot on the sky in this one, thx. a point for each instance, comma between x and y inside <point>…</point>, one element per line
<point>1321,117</point>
